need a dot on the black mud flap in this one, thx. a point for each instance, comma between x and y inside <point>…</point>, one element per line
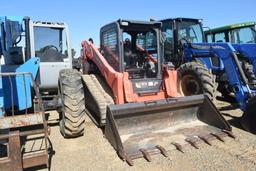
<point>142,129</point>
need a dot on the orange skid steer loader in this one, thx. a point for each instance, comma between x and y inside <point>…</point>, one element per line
<point>130,91</point>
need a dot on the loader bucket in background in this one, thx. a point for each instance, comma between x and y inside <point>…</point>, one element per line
<point>141,129</point>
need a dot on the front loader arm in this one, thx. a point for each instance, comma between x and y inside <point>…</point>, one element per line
<point>248,51</point>
<point>236,77</point>
<point>113,78</point>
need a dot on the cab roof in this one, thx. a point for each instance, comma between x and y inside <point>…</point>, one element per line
<point>181,19</point>
<point>230,27</point>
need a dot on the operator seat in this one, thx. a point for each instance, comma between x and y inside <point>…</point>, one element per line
<point>128,57</point>
<point>51,55</point>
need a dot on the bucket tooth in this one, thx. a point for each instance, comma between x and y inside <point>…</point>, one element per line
<point>178,146</point>
<point>205,139</point>
<point>139,128</point>
<point>162,150</point>
<point>229,133</point>
<point>192,142</point>
<point>146,154</point>
<point>218,137</point>
<point>129,160</point>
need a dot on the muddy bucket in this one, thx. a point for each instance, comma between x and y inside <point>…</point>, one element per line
<point>142,129</point>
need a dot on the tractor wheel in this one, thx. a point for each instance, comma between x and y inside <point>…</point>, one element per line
<point>195,79</point>
<point>248,70</point>
<point>224,90</point>
<point>73,105</point>
<point>248,120</point>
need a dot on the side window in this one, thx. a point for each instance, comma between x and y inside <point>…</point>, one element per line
<point>167,31</point>
<point>209,38</point>
<point>220,37</point>
<point>110,48</point>
<point>244,35</point>
<point>147,41</point>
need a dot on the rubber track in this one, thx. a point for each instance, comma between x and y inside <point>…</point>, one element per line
<point>97,97</point>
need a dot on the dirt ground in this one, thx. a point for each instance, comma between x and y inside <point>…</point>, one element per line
<point>93,152</point>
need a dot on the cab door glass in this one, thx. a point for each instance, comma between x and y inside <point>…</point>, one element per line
<point>50,44</point>
<point>220,37</point>
<point>110,48</point>
<point>245,35</point>
<point>167,31</point>
<point>191,31</point>
<point>209,38</point>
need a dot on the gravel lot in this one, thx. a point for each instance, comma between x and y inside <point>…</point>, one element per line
<point>93,152</point>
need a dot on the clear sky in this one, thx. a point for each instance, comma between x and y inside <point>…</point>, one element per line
<point>85,17</point>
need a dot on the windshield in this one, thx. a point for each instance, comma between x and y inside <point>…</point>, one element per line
<point>190,31</point>
<point>147,41</point>
<point>245,35</point>
<point>140,53</point>
<point>50,44</point>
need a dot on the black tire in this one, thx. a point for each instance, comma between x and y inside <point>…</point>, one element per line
<point>224,89</point>
<point>195,79</point>
<point>248,70</point>
<point>73,105</point>
<point>248,120</point>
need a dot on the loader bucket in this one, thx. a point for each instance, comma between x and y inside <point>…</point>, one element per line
<point>142,129</point>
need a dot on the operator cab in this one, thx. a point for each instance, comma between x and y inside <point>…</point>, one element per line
<point>134,47</point>
<point>177,31</point>
<point>236,33</point>
<point>22,38</point>
<point>140,53</point>
<point>50,42</point>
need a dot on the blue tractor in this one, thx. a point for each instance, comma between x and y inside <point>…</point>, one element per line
<point>22,118</point>
<point>207,67</point>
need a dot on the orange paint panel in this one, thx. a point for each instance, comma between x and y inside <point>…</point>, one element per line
<point>171,83</point>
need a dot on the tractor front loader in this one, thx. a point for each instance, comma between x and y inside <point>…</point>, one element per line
<point>130,94</point>
<point>205,67</point>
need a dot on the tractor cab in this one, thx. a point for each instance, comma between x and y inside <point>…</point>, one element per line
<point>178,31</point>
<point>236,33</point>
<point>51,43</point>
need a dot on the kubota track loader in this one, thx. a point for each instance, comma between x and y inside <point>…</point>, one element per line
<point>130,93</point>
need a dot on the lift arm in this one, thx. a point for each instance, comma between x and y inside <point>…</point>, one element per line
<point>236,77</point>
